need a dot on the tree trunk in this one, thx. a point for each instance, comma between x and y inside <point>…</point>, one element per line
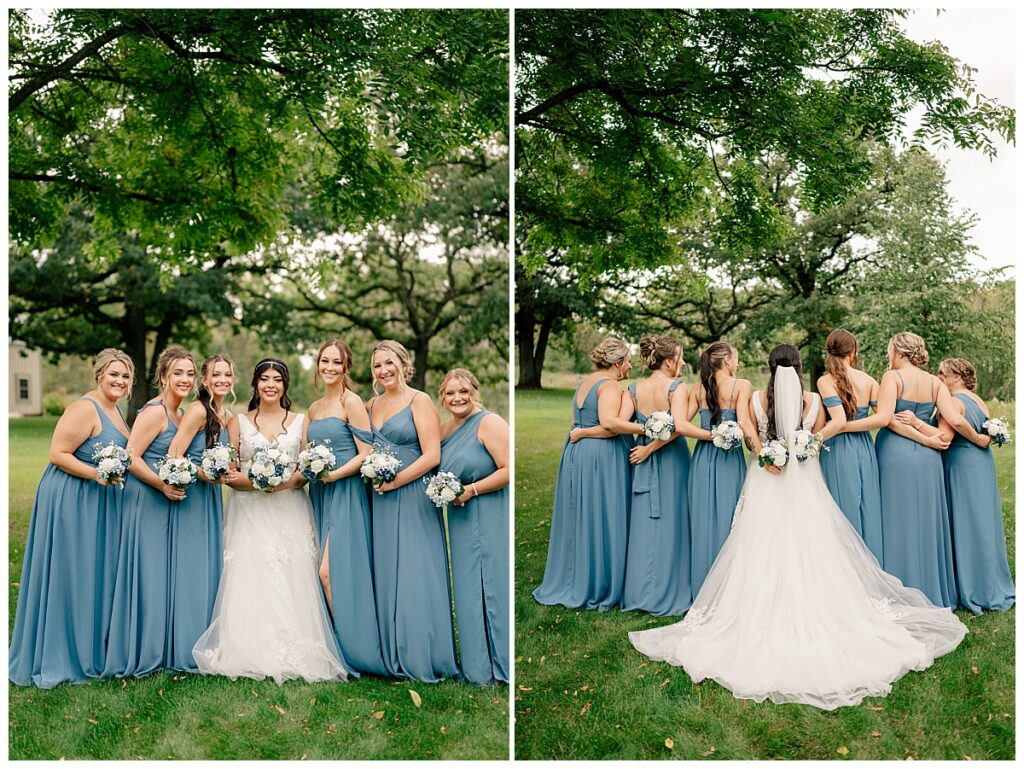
<point>420,350</point>
<point>532,352</point>
<point>134,331</point>
<point>814,356</point>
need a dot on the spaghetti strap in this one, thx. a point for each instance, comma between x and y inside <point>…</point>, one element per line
<point>700,389</point>
<point>632,392</point>
<point>732,392</point>
<point>931,390</point>
<point>903,385</point>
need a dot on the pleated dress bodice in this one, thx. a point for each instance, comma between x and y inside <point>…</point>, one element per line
<point>478,533</point>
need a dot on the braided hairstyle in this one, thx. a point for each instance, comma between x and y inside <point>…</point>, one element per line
<point>961,368</point>
<point>254,402</point>
<point>782,355</point>
<point>713,358</point>
<point>840,344</point>
<point>213,424</point>
<point>655,349</point>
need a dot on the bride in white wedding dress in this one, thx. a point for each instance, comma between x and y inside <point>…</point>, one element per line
<point>795,607</point>
<point>269,619</point>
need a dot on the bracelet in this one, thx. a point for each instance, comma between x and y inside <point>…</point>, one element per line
<point>475,492</point>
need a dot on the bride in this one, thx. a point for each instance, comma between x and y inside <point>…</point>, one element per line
<point>796,608</point>
<point>269,618</point>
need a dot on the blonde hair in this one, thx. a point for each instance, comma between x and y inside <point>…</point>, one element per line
<point>911,347</point>
<point>167,358</point>
<point>963,369</point>
<point>655,349</point>
<point>396,349</point>
<point>609,353</point>
<point>110,355</point>
<point>466,376</point>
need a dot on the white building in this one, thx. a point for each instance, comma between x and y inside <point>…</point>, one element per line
<point>25,382</point>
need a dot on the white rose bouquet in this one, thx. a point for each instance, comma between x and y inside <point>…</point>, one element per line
<point>659,426</point>
<point>380,466</point>
<point>444,488</point>
<point>807,445</point>
<point>998,429</point>
<point>178,472</point>
<point>773,453</point>
<point>270,467</point>
<point>316,461</point>
<point>727,435</point>
<point>216,460</point>
<point>112,463</point>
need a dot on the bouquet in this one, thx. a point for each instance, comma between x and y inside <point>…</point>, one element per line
<point>998,429</point>
<point>806,445</point>
<point>444,488</point>
<point>217,460</point>
<point>111,463</point>
<point>316,461</point>
<point>380,466</point>
<point>270,467</point>
<point>659,426</point>
<point>773,453</point>
<point>727,435</point>
<point>178,472</point>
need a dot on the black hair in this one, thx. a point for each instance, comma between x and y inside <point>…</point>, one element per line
<point>254,402</point>
<point>782,355</point>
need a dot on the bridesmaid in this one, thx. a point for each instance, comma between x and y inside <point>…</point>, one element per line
<point>983,578</point>
<point>850,467</point>
<point>716,476</point>
<point>67,578</point>
<point>475,447</point>
<point>409,554</point>
<point>586,563</point>
<point>657,578</point>
<point>196,525</point>
<point>341,509</point>
<point>138,627</point>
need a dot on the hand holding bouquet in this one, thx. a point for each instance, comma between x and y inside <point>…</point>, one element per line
<point>773,453</point>
<point>270,467</point>
<point>217,461</point>
<point>380,466</point>
<point>807,445</point>
<point>444,488</point>
<point>727,435</point>
<point>998,429</point>
<point>112,463</point>
<point>659,426</point>
<point>316,461</point>
<point>177,472</point>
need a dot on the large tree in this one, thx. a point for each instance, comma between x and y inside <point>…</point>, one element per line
<point>623,115</point>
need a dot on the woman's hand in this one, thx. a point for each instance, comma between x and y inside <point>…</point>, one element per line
<point>640,454</point>
<point>575,434</point>
<point>984,439</point>
<point>939,442</point>
<point>909,418</point>
<point>173,494</point>
<point>773,469</point>
<point>385,487</point>
<point>464,497</point>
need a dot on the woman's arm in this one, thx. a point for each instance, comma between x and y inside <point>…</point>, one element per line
<point>493,434</point>
<point>819,420</point>
<point>610,407</point>
<point>597,431</point>
<point>683,407</point>
<point>933,441</point>
<point>885,409</point>
<point>428,430</point>
<point>745,415</point>
<point>193,421</point>
<point>149,424</point>
<point>355,413</point>
<point>947,405</point>
<point>837,414</point>
<point>234,477</point>
<point>77,424</point>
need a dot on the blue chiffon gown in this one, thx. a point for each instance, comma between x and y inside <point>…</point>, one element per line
<point>657,556</point>
<point>196,542</point>
<point>410,568</point>
<point>715,482</point>
<point>139,625</point>
<point>916,542</point>
<point>850,469</point>
<point>341,510</point>
<point>67,576</point>
<point>478,532</point>
<point>983,578</point>
<point>586,563</point>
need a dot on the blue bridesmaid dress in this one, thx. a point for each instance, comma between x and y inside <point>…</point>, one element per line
<point>67,577</point>
<point>341,510</point>
<point>138,628</point>
<point>983,578</point>
<point>196,545</point>
<point>586,563</point>
<point>657,557</point>
<point>715,482</point>
<point>850,469</point>
<point>916,542</point>
<point>410,568</point>
<point>478,532</point>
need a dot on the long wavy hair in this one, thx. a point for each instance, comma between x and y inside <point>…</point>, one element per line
<point>286,402</point>
<point>213,423</point>
<point>838,346</point>
<point>713,358</point>
<point>782,355</point>
<point>345,353</point>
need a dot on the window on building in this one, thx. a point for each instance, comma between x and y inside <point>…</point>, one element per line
<point>23,392</point>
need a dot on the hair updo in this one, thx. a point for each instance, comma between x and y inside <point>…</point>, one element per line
<point>166,361</point>
<point>110,355</point>
<point>398,350</point>
<point>963,369</point>
<point>611,352</point>
<point>655,349</point>
<point>466,376</point>
<point>781,355</point>
<point>911,347</point>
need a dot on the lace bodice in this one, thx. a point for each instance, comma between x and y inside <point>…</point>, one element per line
<point>249,438</point>
<point>762,416</point>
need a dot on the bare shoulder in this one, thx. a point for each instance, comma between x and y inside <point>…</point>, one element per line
<point>493,422</point>
<point>743,385</point>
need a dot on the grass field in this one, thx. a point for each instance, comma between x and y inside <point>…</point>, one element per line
<point>202,717</point>
<point>582,691</point>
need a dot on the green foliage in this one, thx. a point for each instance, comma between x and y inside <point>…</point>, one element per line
<point>583,691</point>
<point>53,405</point>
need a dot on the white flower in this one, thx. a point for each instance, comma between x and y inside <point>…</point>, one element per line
<point>659,426</point>
<point>727,435</point>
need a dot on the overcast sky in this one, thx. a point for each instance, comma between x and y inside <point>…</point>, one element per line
<point>984,39</point>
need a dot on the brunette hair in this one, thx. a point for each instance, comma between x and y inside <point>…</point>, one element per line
<point>963,369</point>
<point>399,351</point>
<point>254,402</point>
<point>204,396</point>
<point>610,352</point>
<point>166,360</point>
<point>911,347</point>
<point>110,355</point>
<point>655,349</point>
<point>466,376</point>
<point>712,358</point>
<point>840,344</point>
<point>346,361</point>
<point>781,355</point>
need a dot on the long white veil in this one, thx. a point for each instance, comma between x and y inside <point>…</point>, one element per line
<point>789,402</point>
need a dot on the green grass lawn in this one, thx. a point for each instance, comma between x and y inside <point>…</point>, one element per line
<point>582,691</point>
<point>207,717</point>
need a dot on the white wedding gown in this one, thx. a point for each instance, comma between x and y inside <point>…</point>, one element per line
<point>795,607</point>
<point>269,619</point>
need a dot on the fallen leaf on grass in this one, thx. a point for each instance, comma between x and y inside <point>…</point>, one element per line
<point>92,720</point>
<point>444,731</point>
<point>585,709</point>
<point>669,743</point>
<point>312,701</point>
<point>377,715</point>
<point>416,699</point>
<point>525,688</point>
<point>665,683</point>
<point>303,757</point>
<point>279,709</point>
<point>843,750</point>
<point>876,734</point>
<point>124,683</point>
<point>974,669</point>
<point>160,692</point>
<point>875,708</point>
<point>709,751</point>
